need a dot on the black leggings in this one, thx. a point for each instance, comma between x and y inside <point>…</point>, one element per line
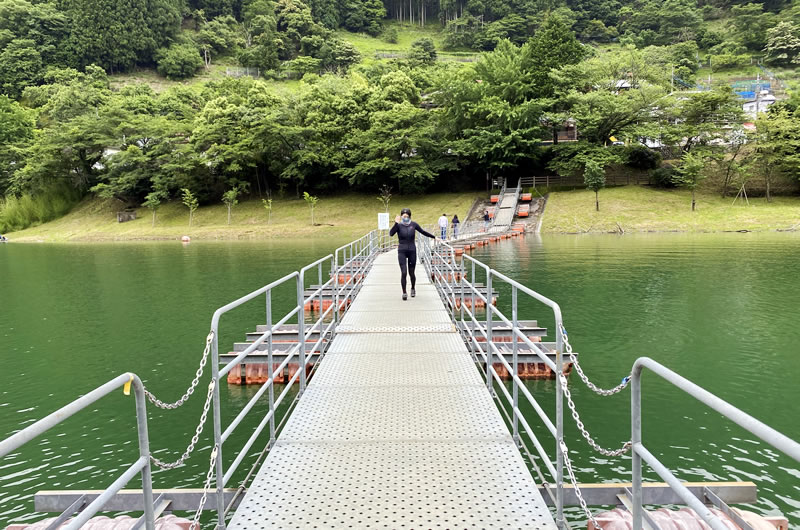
<point>411,256</point>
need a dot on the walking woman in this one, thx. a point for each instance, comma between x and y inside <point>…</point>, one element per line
<point>405,229</point>
<point>455,223</point>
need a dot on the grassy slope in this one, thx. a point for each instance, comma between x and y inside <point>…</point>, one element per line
<point>343,216</point>
<point>642,209</point>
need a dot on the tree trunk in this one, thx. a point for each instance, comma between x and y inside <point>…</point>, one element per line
<point>766,181</point>
<point>693,201</point>
<point>597,200</point>
<point>229,214</point>
<point>190,217</point>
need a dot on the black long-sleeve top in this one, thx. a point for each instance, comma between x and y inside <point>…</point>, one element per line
<point>405,234</point>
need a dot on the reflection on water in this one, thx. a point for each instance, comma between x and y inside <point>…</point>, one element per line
<point>719,309</point>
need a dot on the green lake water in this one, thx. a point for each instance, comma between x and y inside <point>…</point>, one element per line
<point>721,310</point>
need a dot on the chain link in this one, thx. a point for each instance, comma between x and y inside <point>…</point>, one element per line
<point>196,381</point>
<point>603,392</point>
<point>571,473</point>
<point>197,432</point>
<point>206,488</point>
<point>588,437</point>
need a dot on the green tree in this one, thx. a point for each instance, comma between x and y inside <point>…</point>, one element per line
<point>117,34</point>
<point>190,201</point>
<point>179,61</point>
<point>216,37</point>
<point>260,40</point>
<point>268,206</point>
<point>423,51</point>
<point>783,44</point>
<point>20,66</point>
<point>594,176</point>
<point>751,24</point>
<point>386,196</point>
<point>777,151</point>
<point>690,173</point>
<point>312,203</point>
<point>16,132</point>
<point>153,201</point>
<point>363,15</point>
<point>231,199</point>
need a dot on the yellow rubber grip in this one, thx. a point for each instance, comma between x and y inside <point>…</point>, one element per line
<point>126,388</point>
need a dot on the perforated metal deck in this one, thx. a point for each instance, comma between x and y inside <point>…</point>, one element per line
<point>395,430</point>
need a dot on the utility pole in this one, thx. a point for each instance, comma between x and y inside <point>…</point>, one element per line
<point>672,80</point>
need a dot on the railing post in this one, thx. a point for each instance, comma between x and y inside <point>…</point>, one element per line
<point>515,387</point>
<point>301,330</point>
<point>336,288</point>
<point>271,369</point>
<point>559,426</point>
<point>461,282</point>
<point>220,471</point>
<point>489,317</point>
<point>144,451</point>
<point>636,440</point>
<point>473,319</point>
<point>321,312</point>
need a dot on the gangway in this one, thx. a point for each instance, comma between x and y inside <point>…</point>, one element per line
<point>404,420</point>
<point>506,209</point>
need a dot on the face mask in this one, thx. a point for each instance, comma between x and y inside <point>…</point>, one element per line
<point>406,220</point>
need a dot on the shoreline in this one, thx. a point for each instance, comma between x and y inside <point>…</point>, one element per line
<point>624,210</point>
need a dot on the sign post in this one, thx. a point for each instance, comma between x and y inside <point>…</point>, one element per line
<point>383,221</point>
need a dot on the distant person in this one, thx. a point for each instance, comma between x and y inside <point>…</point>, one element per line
<point>485,220</point>
<point>405,229</point>
<point>455,222</point>
<point>443,222</point>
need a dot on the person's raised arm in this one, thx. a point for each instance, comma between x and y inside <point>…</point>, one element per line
<point>423,232</point>
<point>393,231</point>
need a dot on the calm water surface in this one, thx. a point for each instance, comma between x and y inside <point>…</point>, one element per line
<point>720,309</point>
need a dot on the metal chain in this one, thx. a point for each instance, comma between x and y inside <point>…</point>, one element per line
<point>196,381</point>
<point>603,392</point>
<point>571,473</point>
<point>197,432</point>
<point>206,488</point>
<point>588,437</point>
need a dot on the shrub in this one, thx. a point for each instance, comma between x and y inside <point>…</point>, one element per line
<point>391,35</point>
<point>728,61</point>
<point>18,213</point>
<point>641,157</point>
<point>179,61</point>
<point>665,177</point>
<point>423,50</point>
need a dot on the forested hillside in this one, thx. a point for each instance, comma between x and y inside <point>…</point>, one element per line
<point>614,72</point>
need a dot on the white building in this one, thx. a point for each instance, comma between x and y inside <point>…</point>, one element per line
<point>760,103</point>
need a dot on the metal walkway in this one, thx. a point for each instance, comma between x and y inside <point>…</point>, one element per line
<point>395,430</point>
<point>506,209</point>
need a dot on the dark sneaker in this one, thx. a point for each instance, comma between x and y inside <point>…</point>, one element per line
<point>413,293</point>
<point>405,296</point>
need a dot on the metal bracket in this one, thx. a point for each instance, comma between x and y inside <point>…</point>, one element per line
<point>648,522</point>
<point>73,508</point>
<point>159,506</point>
<point>712,497</point>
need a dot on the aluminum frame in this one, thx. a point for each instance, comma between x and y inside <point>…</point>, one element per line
<point>140,466</point>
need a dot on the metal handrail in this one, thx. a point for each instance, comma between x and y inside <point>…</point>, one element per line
<point>744,420</point>
<point>499,201</point>
<point>140,466</point>
<point>352,260</point>
<point>448,275</point>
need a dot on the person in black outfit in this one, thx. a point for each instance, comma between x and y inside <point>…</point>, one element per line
<point>405,229</point>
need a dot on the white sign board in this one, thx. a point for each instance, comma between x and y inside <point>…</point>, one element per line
<point>383,221</point>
